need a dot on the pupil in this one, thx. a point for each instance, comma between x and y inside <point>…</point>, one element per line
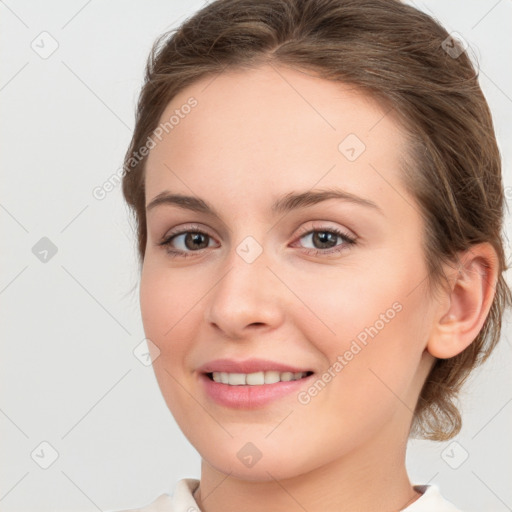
<point>324,236</point>
<point>196,237</point>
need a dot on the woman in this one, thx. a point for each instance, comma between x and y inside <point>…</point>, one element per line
<point>319,204</point>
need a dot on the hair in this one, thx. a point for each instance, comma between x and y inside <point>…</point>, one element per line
<point>399,56</point>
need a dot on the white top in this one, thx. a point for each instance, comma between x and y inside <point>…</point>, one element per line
<point>183,500</point>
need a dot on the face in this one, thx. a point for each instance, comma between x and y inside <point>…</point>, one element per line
<point>329,284</point>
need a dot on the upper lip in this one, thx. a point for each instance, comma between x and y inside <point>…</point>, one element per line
<point>248,366</point>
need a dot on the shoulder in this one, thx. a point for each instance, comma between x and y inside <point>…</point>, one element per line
<point>430,501</point>
<point>182,499</point>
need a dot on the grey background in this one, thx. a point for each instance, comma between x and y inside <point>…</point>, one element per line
<point>70,324</point>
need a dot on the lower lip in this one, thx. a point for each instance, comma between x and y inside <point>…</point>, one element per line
<point>250,397</point>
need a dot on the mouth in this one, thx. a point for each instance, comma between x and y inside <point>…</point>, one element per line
<point>254,390</point>
<point>257,378</point>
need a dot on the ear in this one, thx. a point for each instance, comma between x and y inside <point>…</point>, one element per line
<point>464,308</point>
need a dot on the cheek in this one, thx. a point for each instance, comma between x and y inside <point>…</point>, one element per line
<point>377,319</point>
<point>165,299</point>
<point>346,303</point>
<point>169,319</point>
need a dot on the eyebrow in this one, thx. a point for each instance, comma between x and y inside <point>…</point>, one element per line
<point>284,204</point>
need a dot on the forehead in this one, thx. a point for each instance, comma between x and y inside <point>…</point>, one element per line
<point>276,128</point>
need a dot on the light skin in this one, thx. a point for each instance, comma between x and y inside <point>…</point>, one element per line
<point>255,136</point>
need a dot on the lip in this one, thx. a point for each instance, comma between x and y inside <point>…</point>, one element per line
<point>250,397</point>
<point>248,366</point>
<point>247,396</point>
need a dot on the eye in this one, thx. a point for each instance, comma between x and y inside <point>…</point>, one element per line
<point>191,239</point>
<point>325,238</point>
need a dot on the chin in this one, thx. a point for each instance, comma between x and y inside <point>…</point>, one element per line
<point>273,466</point>
<point>260,472</point>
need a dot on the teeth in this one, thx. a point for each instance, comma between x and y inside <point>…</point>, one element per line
<point>236,379</point>
<point>257,378</point>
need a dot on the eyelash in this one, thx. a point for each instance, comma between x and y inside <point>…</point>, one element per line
<point>347,239</point>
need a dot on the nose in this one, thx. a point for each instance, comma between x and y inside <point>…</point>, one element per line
<point>246,297</point>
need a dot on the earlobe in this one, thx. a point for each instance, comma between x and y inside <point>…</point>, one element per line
<point>472,290</point>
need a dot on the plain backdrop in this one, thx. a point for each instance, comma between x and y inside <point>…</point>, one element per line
<point>83,425</point>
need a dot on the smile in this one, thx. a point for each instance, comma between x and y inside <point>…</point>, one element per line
<point>256,378</point>
<point>253,390</point>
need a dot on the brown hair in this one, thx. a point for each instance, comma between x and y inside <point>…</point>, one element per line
<point>400,56</point>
